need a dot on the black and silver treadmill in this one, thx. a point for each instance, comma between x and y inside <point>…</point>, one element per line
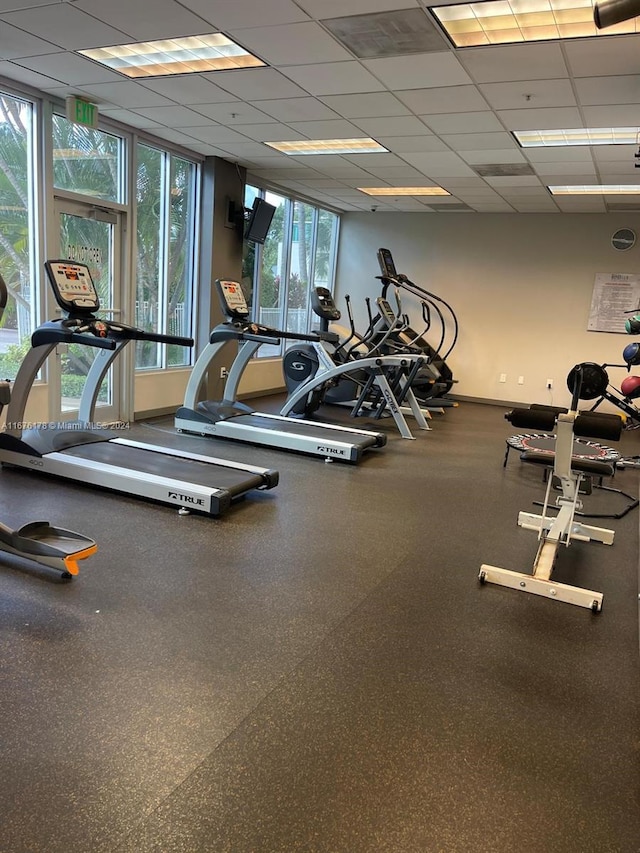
<point>233,420</point>
<point>97,456</point>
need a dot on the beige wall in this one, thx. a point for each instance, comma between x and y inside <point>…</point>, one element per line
<point>521,286</point>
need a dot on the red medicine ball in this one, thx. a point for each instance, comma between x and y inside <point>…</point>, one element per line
<point>631,387</point>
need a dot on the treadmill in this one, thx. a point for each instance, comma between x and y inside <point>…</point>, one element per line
<point>233,420</point>
<point>96,455</point>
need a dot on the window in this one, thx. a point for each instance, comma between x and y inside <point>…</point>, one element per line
<point>17,231</point>
<point>298,254</point>
<point>87,161</point>
<point>166,250</point>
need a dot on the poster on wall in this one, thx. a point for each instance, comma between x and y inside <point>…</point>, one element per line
<point>613,295</point>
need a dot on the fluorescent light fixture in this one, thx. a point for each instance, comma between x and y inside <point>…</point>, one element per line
<point>578,136</point>
<point>509,21</point>
<point>191,55</point>
<point>398,191</point>
<point>596,189</point>
<point>330,146</point>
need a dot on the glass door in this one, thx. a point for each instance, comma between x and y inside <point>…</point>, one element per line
<point>90,235</point>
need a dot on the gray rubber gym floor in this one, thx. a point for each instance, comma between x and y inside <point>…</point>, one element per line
<point>319,670</point>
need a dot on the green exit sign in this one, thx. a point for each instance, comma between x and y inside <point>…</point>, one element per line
<point>82,112</point>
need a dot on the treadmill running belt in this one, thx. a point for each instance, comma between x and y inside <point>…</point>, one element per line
<point>291,426</point>
<point>214,475</point>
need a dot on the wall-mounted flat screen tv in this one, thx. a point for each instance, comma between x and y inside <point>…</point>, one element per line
<point>259,221</point>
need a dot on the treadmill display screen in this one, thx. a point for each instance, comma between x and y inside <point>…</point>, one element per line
<point>234,303</point>
<point>72,285</point>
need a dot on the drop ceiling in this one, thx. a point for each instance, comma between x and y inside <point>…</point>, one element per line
<point>446,116</point>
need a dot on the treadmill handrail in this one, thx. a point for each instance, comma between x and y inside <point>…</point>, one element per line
<point>249,331</point>
<point>54,332</point>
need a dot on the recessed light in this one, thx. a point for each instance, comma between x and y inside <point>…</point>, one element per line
<point>191,55</point>
<point>330,146</point>
<point>398,191</point>
<point>511,21</point>
<point>578,136</point>
<point>596,189</point>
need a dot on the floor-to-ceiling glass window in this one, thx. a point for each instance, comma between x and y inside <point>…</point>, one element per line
<point>18,230</point>
<point>298,254</point>
<point>166,191</point>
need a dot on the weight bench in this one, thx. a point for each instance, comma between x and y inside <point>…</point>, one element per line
<point>556,530</point>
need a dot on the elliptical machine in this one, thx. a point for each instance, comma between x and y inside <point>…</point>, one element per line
<point>370,382</point>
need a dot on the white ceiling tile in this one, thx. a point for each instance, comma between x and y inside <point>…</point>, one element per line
<point>333,78</point>
<point>549,119</point>
<point>226,14</point>
<point>478,141</point>
<point>256,84</point>
<point>366,105</point>
<point>15,43</point>
<point>297,109</point>
<point>478,122</point>
<point>70,68</point>
<point>529,193</point>
<point>398,126</point>
<point>324,184</point>
<point>514,62</point>
<point>214,133</point>
<point>608,90</point>
<point>335,129</point>
<point>374,161</point>
<point>127,94</point>
<point>130,117</point>
<point>546,169</point>
<point>188,89</point>
<point>445,164</point>
<point>273,132</point>
<point>174,136</point>
<point>493,207</point>
<point>561,154</point>
<point>450,99</point>
<point>547,206</point>
<point>529,94</point>
<point>400,176</point>
<point>480,157</point>
<point>618,168</point>
<point>66,26</point>
<point>16,72</point>
<point>341,8</point>
<point>291,44</point>
<point>613,153</point>
<point>611,116</point>
<point>424,70</point>
<point>246,149</point>
<point>232,113</point>
<point>471,183</point>
<point>411,144</point>
<point>602,56</point>
<point>580,204</point>
<point>168,19</point>
<point>173,116</point>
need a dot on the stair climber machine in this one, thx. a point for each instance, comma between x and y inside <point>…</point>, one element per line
<point>39,541</point>
<point>228,418</point>
<point>371,382</point>
<point>91,453</point>
<point>434,391</point>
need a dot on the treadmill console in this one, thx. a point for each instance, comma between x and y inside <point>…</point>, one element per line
<point>386,310</point>
<point>73,287</point>
<point>232,299</point>
<point>387,266</point>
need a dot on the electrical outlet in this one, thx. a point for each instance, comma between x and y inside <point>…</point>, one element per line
<point>549,383</point>
<point>223,373</point>
<point>520,380</point>
<point>503,377</point>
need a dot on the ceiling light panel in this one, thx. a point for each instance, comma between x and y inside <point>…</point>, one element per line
<point>596,189</point>
<point>512,21</point>
<point>192,55</point>
<point>363,145</point>
<point>578,136</point>
<point>398,191</point>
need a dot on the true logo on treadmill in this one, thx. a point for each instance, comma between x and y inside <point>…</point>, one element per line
<point>333,451</point>
<point>187,499</point>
